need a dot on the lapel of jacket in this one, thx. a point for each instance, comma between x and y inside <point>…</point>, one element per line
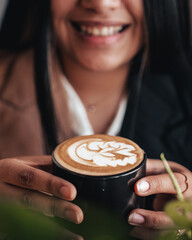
<point>160,124</point>
<point>17,88</point>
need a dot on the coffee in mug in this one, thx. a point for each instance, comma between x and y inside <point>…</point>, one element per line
<point>103,169</point>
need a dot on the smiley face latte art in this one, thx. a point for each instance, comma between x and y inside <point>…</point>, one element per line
<point>99,155</point>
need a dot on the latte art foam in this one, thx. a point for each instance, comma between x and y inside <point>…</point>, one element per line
<point>96,152</point>
<point>98,155</point>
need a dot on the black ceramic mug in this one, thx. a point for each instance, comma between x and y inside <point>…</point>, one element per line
<point>104,170</point>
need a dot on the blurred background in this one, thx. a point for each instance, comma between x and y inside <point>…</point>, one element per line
<point>3,4</point>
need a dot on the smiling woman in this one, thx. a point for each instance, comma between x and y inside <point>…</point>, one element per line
<point>118,67</point>
<point>111,31</point>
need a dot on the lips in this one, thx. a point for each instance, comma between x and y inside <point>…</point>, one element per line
<point>99,30</point>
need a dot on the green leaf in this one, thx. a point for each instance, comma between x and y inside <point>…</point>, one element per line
<point>22,224</point>
<point>172,235</point>
<point>175,210</point>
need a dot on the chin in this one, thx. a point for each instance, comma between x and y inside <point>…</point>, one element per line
<point>100,65</point>
<point>100,68</point>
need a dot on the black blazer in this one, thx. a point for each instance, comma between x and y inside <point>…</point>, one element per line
<point>159,117</point>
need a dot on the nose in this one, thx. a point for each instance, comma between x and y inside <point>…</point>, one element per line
<point>101,5</point>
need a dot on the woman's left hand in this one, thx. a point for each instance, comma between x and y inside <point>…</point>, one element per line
<point>158,182</point>
<point>40,202</point>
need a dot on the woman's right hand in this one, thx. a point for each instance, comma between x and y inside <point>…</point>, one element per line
<point>34,172</point>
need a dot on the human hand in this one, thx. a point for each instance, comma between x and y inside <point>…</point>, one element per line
<point>19,203</point>
<point>158,182</point>
<point>30,172</point>
<point>48,205</point>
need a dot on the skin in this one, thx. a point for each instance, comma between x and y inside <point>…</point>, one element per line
<point>106,57</point>
<point>48,205</point>
<point>160,184</point>
<point>98,72</point>
<point>24,172</point>
<point>91,77</point>
<point>34,172</point>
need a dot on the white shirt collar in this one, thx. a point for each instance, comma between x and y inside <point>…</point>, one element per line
<point>80,124</point>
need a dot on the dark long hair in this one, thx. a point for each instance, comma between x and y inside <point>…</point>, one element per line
<point>168,27</point>
<point>27,25</point>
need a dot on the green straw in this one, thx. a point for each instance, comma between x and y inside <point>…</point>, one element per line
<point>174,180</point>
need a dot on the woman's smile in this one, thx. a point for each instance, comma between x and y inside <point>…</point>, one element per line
<point>99,33</point>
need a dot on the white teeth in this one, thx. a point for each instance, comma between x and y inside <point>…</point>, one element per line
<point>104,31</point>
<point>95,31</point>
<point>101,31</point>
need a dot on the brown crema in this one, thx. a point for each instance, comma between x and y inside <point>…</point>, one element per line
<point>98,155</point>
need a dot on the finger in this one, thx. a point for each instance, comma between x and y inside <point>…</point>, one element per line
<point>159,184</point>
<point>62,233</point>
<point>150,219</point>
<point>155,166</point>
<point>14,172</point>
<point>41,162</point>
<point>49,205</point>
<point>150,234</point>
<point>52,206</point>
<point>161,200</point>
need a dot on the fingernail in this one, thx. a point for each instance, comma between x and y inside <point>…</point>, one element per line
<point>136,219</point>
<point>142,186</point>
<point>67,193</point>
<point>72,216</point>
